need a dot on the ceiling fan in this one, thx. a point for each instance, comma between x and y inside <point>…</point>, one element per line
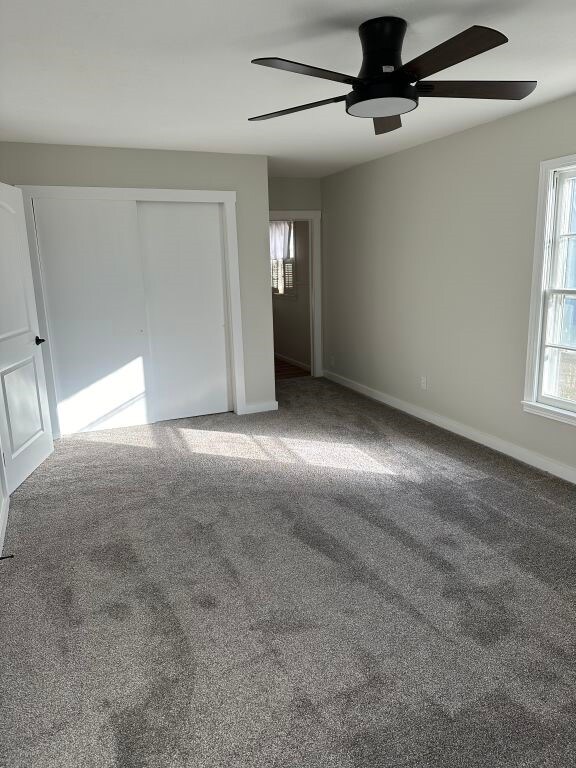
<point>385,88</point>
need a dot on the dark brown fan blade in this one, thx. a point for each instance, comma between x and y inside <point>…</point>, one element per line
<point>298,109</point>
<point>476,89</point>
<point>387,124</point>
<point>464,46</point>
<point>305,69</point>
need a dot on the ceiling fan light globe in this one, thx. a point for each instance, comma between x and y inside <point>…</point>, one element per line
<point>384,106</point>
<point>385,98</point>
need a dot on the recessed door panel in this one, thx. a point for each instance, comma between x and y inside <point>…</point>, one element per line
<point>20,389</point>
<point>14,317</point>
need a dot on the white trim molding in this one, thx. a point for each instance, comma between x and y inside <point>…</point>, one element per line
<point>227,200</point>
<point>533,401</point>
<point>249,408</point>
<point>4,506</point>
<point>517,452</point>
<point>131,193</point>
<point>550,411</point>
<point>315,221</point>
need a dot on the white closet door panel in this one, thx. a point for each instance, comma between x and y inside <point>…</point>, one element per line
<point>182,252</point>
<point>96,311</point>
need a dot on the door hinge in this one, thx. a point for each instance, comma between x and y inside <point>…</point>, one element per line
<point>3,459</point>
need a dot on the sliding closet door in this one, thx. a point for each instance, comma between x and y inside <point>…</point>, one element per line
<point>183,263</point>
<point>94,294</point>
<point>136,309</point>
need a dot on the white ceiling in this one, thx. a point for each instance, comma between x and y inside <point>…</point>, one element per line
<point>176,74</point>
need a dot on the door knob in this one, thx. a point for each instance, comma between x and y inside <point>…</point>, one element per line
<point>39,341</point>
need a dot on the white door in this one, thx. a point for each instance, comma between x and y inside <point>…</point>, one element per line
<point>135,301</point>
<point>183,260</point>
<point>25,432</point>
<point>94,299</point>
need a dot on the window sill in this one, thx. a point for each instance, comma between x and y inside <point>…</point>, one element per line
<point>550,412</point>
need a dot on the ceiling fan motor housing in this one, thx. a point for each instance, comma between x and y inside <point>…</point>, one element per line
<point>381,93</point>
<point>381,41</point>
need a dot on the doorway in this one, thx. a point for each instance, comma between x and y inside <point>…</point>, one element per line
<point>295,285</point>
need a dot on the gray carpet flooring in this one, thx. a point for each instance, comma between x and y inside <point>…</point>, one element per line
<point>333,585</point>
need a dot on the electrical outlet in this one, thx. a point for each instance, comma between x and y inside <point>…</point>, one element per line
<point>423,382</point>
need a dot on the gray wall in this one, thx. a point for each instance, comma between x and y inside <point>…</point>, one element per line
<point>427,270</point>
<point>295,194</point>
<point>246,174</point>
<point>292,311</point>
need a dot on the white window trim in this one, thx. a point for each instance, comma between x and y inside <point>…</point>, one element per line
<point>542,254</point>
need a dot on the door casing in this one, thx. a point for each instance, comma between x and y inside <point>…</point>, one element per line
<point>314,219</point>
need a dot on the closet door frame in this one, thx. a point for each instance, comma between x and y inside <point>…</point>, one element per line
<point>227,202</point>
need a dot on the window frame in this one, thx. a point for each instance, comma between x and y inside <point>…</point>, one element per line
<point>544,252</point>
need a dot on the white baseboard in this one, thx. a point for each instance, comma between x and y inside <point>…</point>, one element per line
<point>258,408</point>
<point>287,359</point>
<point>4,504</point>
<point>525,455</point>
